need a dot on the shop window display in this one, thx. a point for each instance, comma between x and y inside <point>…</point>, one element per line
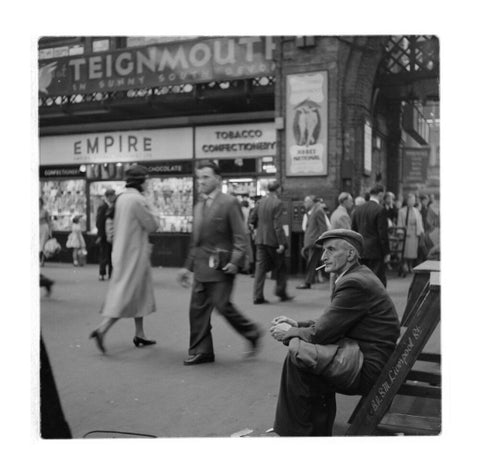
<point>97,192</point>
<point>240,186</point>
<point>262,186</point>
<point>63,200</point>
<point>171,200</point>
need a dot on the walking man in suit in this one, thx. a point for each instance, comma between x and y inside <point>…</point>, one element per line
<point>271,242</point>
<point>370,220</point>
<point>316,226</point>
<point>105,245</point>
<point>217,251</point>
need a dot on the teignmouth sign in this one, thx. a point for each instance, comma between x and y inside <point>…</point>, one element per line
<point>193,61</point>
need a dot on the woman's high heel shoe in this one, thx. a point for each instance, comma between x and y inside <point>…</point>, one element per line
<point>138,341</point>
<point>98,340</point>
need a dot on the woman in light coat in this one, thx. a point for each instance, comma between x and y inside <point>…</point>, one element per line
<point>410,218</point>
<point>130,291</point>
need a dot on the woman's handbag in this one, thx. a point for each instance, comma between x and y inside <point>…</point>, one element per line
<point>51,248</point>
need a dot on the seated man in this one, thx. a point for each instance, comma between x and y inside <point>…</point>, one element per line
<point>343,350</point>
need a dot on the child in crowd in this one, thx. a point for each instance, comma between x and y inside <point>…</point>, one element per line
<point>76,242</point>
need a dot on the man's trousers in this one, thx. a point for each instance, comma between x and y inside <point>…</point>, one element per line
<point>269,260</point>
<point>314,255</point>
<point>105,258</point>
<point>205,297</point>
<point>306,403</point>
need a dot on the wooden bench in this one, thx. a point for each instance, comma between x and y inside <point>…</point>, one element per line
<point>420,319</point>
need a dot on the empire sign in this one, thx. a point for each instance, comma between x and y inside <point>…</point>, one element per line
<point>191,61</point>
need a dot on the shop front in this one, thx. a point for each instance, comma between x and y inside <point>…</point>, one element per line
<point>76,170</point>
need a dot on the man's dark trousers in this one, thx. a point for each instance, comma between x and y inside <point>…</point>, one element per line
<point>205,297</point>
<point>313,259</point>
<point>267,260</point>
<point>306,403</point>
<point>105,258</point>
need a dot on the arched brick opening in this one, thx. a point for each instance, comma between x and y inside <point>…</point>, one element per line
<point>360,69</point>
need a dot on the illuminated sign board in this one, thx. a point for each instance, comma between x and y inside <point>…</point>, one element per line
<point>119,146</point>
<point>193,61</point>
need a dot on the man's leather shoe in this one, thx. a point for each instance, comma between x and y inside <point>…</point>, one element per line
<point>200,358</point>
<point>304,286</point>
<point>260,301</point>
<point>255,344</point>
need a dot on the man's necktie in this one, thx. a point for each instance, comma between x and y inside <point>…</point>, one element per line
<point>206,204</point>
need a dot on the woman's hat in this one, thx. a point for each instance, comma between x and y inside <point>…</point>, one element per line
<point>136,172</point>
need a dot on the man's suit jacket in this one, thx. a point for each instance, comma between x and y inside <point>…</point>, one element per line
<point>220,226</point>
<point>362,310</point>
<point>340,219</point>
<point>370,220</point>
<point>316,226</point>
<point>266,217</point>
<point>100,221</point>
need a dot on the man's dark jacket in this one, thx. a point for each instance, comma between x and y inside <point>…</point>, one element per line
<point>370,220</point>
<point>100,222</point>
<point>361,310</point>
<point>266,217</point>
<point>221,226</point>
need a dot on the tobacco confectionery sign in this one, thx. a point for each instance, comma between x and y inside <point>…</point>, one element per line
<point>120,146</point>
<point>193,61</point>
<point>307,124</point>
<point>235,141</point>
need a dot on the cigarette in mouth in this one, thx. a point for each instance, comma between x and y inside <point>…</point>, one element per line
<point>320,267</point>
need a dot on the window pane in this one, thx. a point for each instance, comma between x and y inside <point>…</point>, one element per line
<point>63,200</point>
<point>171,200</point>
<point>100,45</point>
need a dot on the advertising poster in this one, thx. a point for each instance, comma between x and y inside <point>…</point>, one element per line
<point>307,124</point>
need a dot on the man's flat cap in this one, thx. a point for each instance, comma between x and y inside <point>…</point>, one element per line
<point>352,237</point>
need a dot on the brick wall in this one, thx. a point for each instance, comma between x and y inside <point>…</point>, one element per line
<point>351,63</point>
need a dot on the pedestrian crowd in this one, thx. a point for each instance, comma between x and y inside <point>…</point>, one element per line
<point>342,351</point>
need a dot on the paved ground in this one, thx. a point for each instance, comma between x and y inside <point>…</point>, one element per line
<point>148,390</point>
